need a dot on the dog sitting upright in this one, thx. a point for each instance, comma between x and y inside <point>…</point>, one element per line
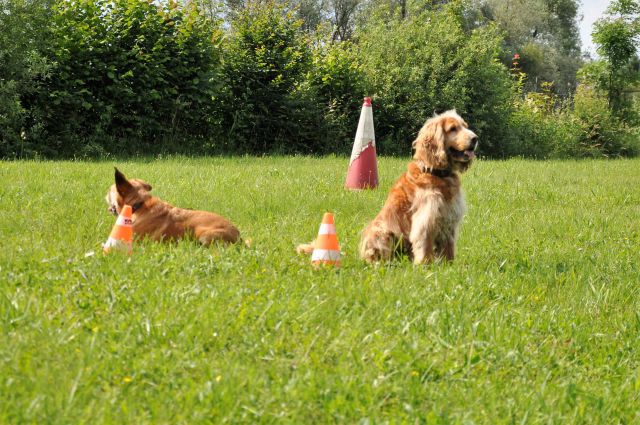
<point>161,221</point>
<point>425,206</point>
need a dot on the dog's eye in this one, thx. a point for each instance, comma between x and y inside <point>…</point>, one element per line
<point>452,129</point>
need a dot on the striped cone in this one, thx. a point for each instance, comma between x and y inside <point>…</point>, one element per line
<point>326,250</point>
<point>363,166</point>
<point>121,237</point>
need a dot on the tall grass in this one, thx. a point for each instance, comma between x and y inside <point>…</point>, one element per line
<point>536,321</point>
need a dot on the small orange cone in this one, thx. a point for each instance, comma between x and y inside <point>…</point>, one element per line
<point>121,237</point>
<point>363,166</point>
<point>326,250</point>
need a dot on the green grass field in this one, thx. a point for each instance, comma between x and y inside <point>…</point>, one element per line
<point>537,320</point>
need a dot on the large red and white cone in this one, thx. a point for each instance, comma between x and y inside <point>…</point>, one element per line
<point>363,166</point>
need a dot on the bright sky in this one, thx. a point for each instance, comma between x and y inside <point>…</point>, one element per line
<point>591,10</point>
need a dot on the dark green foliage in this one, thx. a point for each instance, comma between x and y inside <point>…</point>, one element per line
<point>601,130</point>
<point>130,76</point>
<point>23,36</point>
<point>545,128</point>
<point>336,80</point>
<point>265,61</point>
<point>284,93</point>
<point>427,64</point>
<point>93,78</point>
<point>617,36</point>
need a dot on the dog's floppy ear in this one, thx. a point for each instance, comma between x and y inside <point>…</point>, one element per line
<point>122,184</point>
<point>429,145</point>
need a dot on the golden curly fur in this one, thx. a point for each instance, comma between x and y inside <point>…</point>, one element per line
<point>425,206</point>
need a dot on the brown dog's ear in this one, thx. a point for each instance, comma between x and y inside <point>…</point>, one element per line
<point>122,184</point>
<point>139,182</point>
<point>429,145</point>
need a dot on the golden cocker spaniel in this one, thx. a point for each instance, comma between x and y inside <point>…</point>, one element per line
<point>425,206</point>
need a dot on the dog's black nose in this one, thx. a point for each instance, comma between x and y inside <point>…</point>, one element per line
<point>474,142</point>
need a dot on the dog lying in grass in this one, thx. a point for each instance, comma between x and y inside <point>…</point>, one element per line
<point>425,206</point>
<point>161,221</point>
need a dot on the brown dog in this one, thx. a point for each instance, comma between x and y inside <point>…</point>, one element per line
<point>161,221</point>
<point>426,205</point>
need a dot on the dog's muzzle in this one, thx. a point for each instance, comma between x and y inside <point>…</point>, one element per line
<point>467,154</point>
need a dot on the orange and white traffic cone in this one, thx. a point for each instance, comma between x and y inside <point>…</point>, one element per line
<point>363,166</point>
<point>121,237</point>
<point>325,249</point>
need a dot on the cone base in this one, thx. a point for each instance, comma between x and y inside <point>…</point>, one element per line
<point>117,245</point>
<point>327,263</point>
<point>363,171</point>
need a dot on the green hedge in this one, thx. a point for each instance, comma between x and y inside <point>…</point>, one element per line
<point>24,35</point>
<point>419,66</point>
<point>122,77</point>
<point>129,77</point>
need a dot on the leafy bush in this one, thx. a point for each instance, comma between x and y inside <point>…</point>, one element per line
<point>336,83</point>
<point>542,133</point>
<point>23,37</point>
<point>265,61</point>
<point>601,130</point>
<point>94,77</point>
<point>588,128</point>
<point>597,75</point>
<point>428,63</point>
<point>130,75</point>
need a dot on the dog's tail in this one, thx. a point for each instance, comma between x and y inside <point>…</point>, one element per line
<point>305,248</point>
